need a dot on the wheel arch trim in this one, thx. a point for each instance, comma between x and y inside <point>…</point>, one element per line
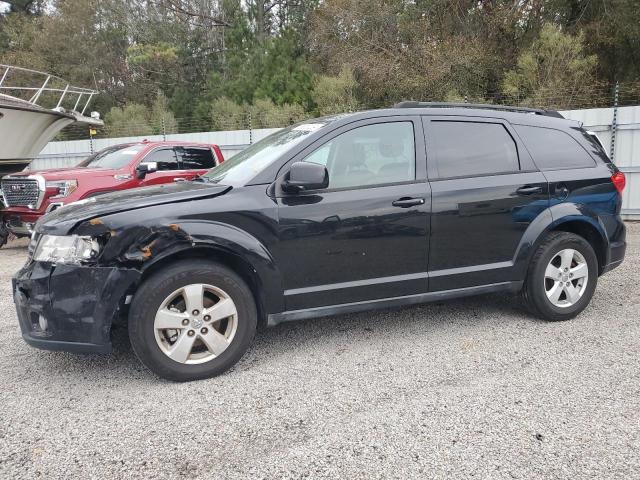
<point>553,219</point>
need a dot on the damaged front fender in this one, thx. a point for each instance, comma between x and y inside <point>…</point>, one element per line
<point>142,246</point>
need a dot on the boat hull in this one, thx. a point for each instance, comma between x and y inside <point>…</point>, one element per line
<point>24,132</point>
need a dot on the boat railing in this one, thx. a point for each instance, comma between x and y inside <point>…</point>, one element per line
<point>30,85</point>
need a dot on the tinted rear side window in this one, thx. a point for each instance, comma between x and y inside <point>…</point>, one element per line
<point>473,148</point>
<point>554,149</point>
<point>196,158</point>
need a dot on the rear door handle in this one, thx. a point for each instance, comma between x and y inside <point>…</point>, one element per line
<point>528,190</point>
<point>406,202</point>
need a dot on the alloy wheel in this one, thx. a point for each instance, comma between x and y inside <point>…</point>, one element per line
<point>195,324</point>
<point>566,277</point>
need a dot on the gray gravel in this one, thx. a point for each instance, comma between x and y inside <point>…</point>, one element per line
<point>468,388</point>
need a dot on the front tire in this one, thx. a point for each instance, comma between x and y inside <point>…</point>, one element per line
<point>192,320</point>
<point>562,277</point>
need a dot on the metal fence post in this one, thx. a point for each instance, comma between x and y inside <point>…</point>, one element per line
<point>250,128</point>
<point>614,123</point>
<point>164,130</point>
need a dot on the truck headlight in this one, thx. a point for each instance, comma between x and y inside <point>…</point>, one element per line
<point>64,187</point>
<point>71,249</point>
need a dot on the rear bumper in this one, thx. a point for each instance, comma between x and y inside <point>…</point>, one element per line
<point>617,252</point>
<point>68,307</point>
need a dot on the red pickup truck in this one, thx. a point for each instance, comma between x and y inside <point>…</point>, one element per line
<point>29,195</point>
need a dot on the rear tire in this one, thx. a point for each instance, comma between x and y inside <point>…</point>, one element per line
<point>562,277</point>
<point>180,339</point>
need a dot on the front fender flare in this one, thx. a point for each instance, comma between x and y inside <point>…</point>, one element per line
<point>223,239</point>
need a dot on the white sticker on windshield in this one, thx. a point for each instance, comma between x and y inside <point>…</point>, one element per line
<point>129,152</point>
<point>309,127</point>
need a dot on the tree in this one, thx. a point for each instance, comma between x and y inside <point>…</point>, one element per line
<point>554,71</point>
<point>131,120</point>
<point>227,115</point>
<point>336,94</point>
<point>396,50</point>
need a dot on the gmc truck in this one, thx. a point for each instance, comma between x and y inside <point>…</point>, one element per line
<point>29,195</point>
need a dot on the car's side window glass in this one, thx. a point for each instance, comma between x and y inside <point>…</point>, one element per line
<point>196,158</point>
<point>375,154</point>
<point>472,148</point>
<point>165,158</point>
<point>553,149</point>
<point>321,155</point>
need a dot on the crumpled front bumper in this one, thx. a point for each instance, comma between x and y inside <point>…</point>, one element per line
<point>70,307</point>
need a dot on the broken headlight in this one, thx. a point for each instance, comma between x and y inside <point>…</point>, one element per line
<point>71,249</point>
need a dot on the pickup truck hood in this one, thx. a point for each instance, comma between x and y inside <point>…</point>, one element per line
<point>63,220</point>
<point>74,173</point>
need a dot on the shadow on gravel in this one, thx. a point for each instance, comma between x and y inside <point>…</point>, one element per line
<point>272,344</point>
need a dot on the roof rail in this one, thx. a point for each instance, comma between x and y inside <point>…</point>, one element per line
<point>504,108</point>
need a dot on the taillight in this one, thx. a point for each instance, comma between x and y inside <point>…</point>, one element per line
<point>619,181</point>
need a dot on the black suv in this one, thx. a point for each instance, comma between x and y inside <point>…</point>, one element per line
<point>368,210</point>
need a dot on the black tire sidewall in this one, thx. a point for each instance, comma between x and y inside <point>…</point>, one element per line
<point>535,281</point>
<point>158,287</point>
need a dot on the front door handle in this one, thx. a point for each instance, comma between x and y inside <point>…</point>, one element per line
<point>528,190</point>
<point>406,202</point>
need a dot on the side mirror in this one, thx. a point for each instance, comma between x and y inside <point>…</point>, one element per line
<point>306,176</point>
<point>145,168</point>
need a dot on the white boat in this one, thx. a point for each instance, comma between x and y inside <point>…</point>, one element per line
<point>34,108</point>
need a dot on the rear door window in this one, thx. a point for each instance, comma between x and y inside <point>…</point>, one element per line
<point>554,149</point>
<point>464,149</point>
<point>196,158</point>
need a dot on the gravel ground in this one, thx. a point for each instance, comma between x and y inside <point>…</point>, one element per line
<point>468,388</point>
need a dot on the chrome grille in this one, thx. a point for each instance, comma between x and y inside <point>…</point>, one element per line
<point>20,192</point>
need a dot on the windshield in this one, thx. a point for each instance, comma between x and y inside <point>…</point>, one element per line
<point>245,165</point>
<point>113,157</point>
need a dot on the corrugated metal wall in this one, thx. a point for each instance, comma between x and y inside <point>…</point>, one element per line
<point>599,120</point>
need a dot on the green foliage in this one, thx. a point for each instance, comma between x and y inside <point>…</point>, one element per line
<point>552,72</point>
<point>135,119</point>
<point>284,75</point>
<point>131,120</point>
<point>153,56</point>
<point>217,63</point>
<point>161,118</point>
<point>266,114</point>
<point>336,94</point>
<point>227,115</point>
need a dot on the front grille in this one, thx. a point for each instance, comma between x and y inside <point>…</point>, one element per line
<point>20,192</point>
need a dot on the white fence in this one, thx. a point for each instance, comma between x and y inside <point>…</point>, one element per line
<point>599,120</point>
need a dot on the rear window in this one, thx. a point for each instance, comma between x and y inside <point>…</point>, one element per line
<point>554,149</point>
<point>473,148</point>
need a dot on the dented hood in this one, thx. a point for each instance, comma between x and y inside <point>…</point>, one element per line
<point>63,220</point>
